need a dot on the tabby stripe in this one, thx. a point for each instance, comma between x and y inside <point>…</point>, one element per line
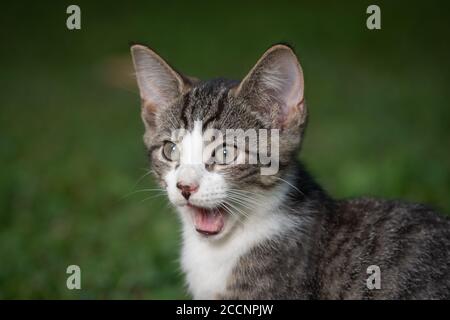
<point>220,107</point>
<point>153,148</point>
<point>251,173</point>
<point>196,97</point>
<point>185,105</point>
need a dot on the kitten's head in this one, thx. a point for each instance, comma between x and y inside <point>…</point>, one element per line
<point>216,180</point>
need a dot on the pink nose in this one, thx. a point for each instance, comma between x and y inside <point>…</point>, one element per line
<point>187,189</point>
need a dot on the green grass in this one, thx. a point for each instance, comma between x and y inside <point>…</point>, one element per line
<point>70,133</point>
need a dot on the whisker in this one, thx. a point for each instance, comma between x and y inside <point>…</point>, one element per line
<point>245,198</point>
<point>154,196</point>
<point>142,177</point>
<point>226,208</point>
<point>290,184</point>
<point>245,191</point>
<point>141,190</point>
<point>231,212</point>
<point>243,207</point>
<point>244,203</point>
<point>245,215</point>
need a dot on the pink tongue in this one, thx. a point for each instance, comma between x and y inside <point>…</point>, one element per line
<point>208,221</point>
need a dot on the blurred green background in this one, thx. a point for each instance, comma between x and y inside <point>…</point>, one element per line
<point>70,132</point>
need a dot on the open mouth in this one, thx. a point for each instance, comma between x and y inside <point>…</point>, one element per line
<point>208,222</point>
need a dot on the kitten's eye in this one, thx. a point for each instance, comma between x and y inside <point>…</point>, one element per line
<point>225,154</point>
<point>170,151</point>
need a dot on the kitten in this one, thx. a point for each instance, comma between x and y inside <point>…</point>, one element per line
<point>247,235</point>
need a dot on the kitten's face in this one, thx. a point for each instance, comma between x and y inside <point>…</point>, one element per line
<point>212,181</point>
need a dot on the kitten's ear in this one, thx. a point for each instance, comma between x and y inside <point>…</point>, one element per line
<point>275,86</point>
<point>158,83</point>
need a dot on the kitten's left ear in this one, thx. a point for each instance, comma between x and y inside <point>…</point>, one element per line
<point>275,86</point>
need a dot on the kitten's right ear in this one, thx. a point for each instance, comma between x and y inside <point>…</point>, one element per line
<point>158,83</point>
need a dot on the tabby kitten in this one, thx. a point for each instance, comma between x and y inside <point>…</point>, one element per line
<point>281,236</point>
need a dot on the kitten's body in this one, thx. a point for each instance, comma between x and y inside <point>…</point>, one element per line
<point>292,240</point>
<point>327,255</point>
<point>313,247</point>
